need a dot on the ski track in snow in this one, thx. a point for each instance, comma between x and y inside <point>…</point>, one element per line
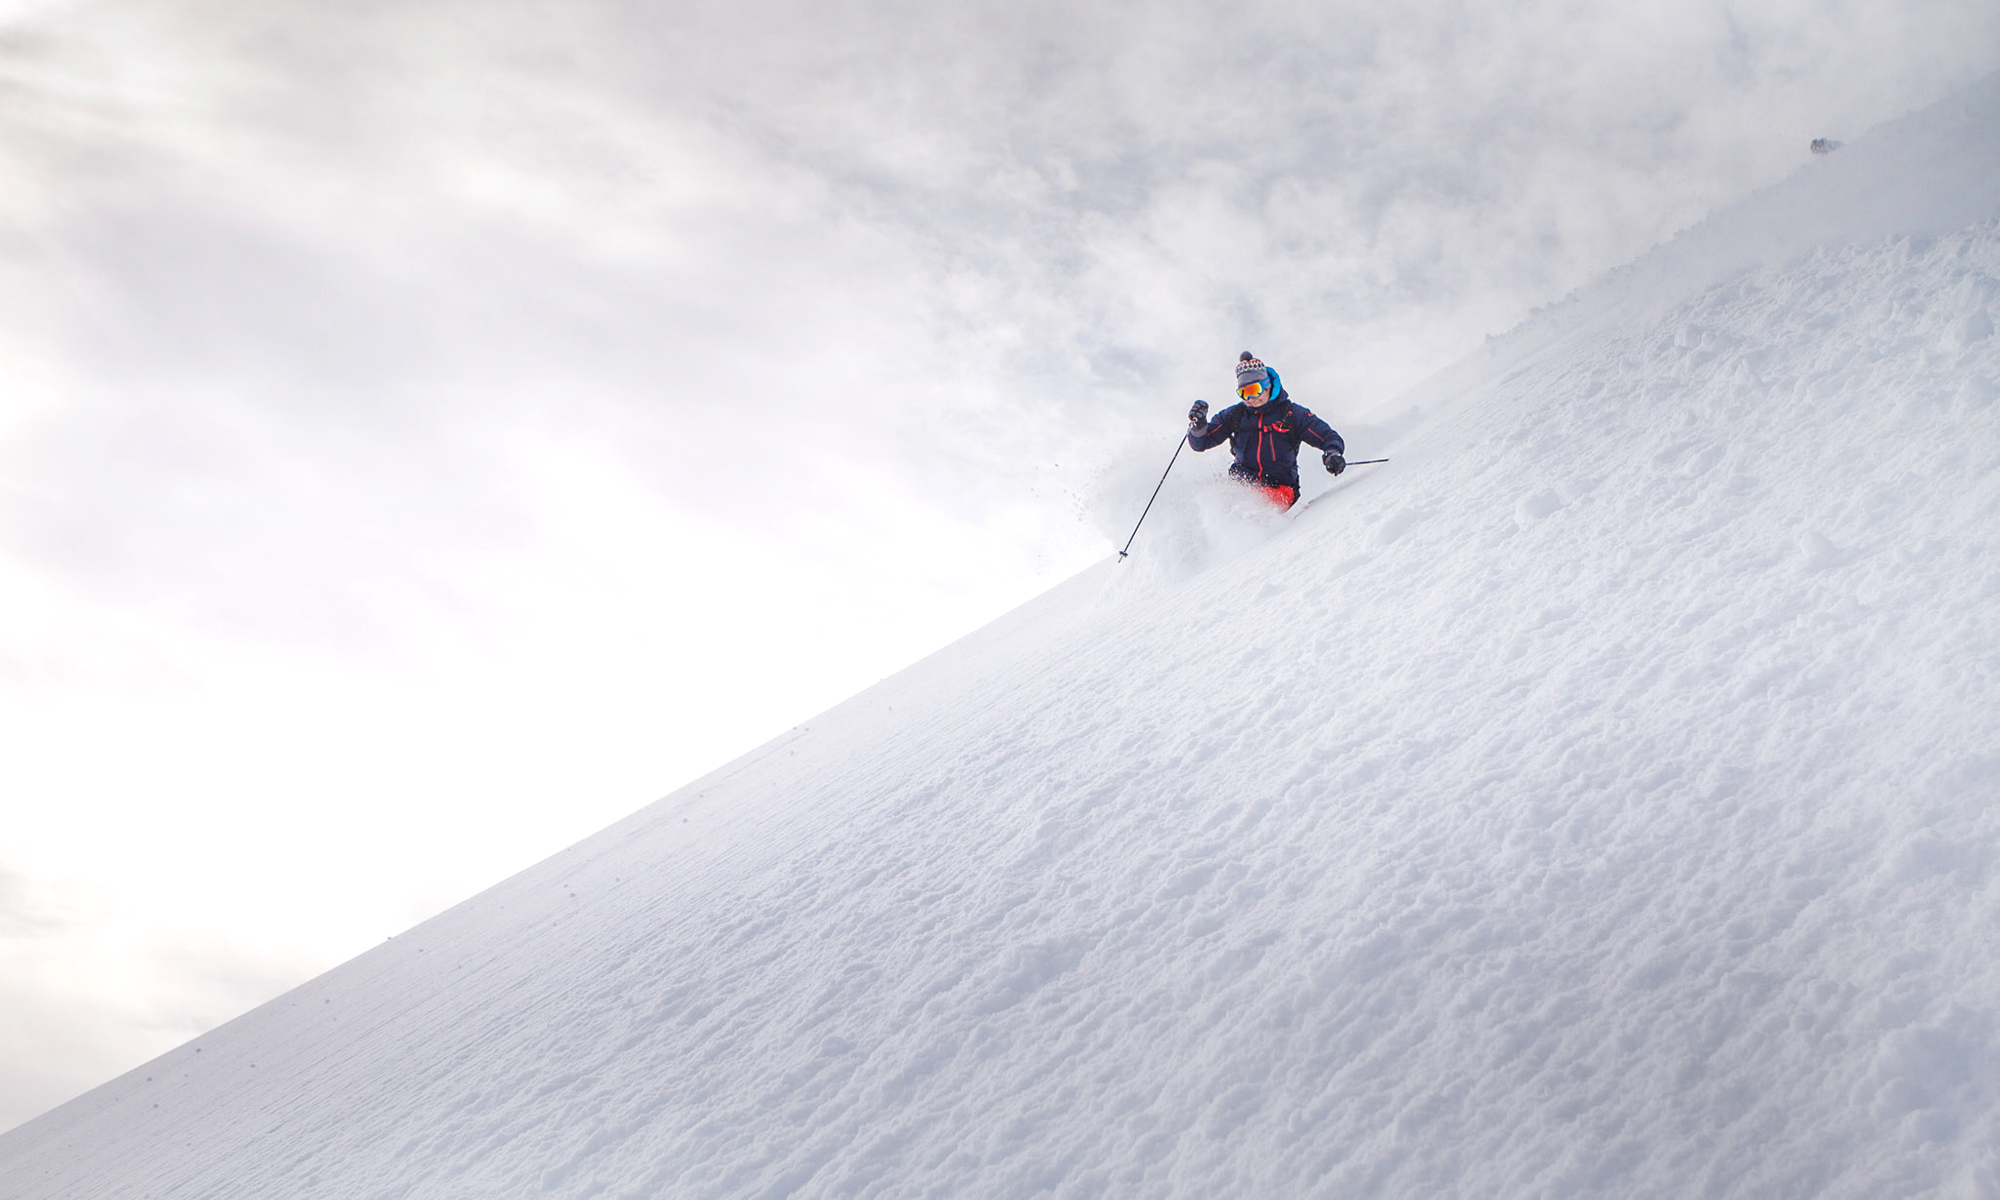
<point>1597,800</point>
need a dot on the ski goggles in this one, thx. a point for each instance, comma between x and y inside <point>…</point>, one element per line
<point>1254,391</point>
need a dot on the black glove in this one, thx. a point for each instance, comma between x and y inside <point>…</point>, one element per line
<point>1335,461</point>
<point>1198,415</point>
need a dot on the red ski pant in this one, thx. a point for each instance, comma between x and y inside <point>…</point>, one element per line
<point>1278,494</point>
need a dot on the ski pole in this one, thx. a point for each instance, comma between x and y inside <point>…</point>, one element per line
<point>1362,462</point>
<point>1155,496</point>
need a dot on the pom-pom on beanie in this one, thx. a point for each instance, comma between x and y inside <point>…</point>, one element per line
<point>1249,370</point>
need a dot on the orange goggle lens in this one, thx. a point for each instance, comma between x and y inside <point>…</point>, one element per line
<point>1250,391</point>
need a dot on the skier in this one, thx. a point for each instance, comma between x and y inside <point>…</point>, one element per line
<point>1264,432</point>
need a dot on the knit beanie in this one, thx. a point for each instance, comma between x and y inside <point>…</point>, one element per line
<point>1249,370</point>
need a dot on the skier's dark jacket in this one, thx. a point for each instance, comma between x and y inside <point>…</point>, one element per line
<point>1266,440</point>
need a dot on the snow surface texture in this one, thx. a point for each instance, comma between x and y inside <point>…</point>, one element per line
<point>1598,800</point>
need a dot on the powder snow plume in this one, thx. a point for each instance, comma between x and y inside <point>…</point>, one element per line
<point>1200,518</point>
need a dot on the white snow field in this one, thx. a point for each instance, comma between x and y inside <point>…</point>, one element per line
<point>1598,800</point>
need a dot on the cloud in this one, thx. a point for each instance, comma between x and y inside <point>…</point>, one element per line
<point>893,216</point>
<point>24,915</point>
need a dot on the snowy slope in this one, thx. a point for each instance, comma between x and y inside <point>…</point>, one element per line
<point>1597,800</point>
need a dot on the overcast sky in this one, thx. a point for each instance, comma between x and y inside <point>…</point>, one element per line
<point>429,431</point>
